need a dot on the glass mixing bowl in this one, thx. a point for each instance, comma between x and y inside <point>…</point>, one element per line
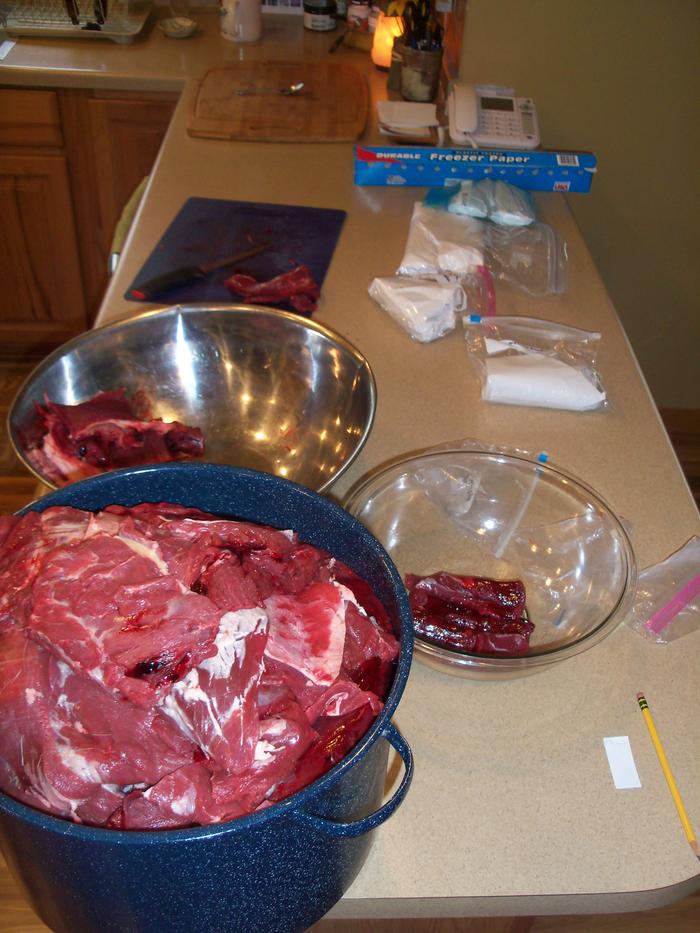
<point>504,516</point>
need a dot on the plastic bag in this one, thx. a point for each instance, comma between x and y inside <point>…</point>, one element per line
<point>439,242</point>
<point>467,493</point>
<point>498,201</point>
<point>531,259</point>
<point>470,198</point>
<point>667,601</point>
<point>480,292</point>
<point>486,510</point>
<point>485,199</point>
<point>527,361</point>
<point>425,308</point>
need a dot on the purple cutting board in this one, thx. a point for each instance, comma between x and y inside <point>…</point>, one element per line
<point>206,229</point>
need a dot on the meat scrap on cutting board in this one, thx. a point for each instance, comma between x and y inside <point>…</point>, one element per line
<point>102,433</point>
<point>161,667</point>
<point>296,288</point>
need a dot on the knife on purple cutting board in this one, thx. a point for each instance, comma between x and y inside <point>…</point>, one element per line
<point>159,283</point>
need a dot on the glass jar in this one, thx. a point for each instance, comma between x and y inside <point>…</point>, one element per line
<point>320,15</point>
<point>358,15</point>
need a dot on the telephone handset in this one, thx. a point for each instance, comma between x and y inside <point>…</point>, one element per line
<point>491,117</point>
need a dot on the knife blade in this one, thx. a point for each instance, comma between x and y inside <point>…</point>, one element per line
<point>142,291</point>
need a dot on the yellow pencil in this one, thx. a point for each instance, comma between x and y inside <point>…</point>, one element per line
<point>644,706</point>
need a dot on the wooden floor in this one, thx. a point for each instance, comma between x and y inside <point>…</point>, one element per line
<point>17,487</point>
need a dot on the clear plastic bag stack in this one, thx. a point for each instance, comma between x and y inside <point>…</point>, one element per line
<point>425,294</point>
<point>527,361</point>
<point>519,251</point>
<point>497,201</point>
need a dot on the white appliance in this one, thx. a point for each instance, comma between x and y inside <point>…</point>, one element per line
<point>485,116</point>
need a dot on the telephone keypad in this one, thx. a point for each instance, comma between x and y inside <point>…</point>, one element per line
<point>503,128</point>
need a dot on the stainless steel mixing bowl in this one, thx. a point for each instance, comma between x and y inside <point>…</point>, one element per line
<point>270,390</point>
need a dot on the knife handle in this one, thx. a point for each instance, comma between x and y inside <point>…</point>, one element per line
<point>159,283</point>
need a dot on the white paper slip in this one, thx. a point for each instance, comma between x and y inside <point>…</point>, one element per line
<point>408,132</point>
<point>6,48</point>
<point>401,113</point>
<point>621,761</point>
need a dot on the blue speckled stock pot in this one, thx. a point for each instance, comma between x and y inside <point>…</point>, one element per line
<point>277,870</point>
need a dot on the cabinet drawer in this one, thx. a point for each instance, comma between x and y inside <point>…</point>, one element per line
<point>29,118</point>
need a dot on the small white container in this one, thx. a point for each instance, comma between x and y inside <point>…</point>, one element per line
<point>241,20</point>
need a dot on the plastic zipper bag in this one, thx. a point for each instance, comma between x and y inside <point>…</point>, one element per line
<point>470,198</point>
<point>439,242</point>
<point>497,201</point>
<point>465,492</point>
<point>667,601</point>
<point>528,361</point>
<point>531,259</point>
<point>485,199</point>
<point>425,307</point>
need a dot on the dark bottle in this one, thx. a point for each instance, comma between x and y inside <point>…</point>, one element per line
<point>320,15</point>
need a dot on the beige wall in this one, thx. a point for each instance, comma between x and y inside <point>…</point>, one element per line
<point>620,78</point>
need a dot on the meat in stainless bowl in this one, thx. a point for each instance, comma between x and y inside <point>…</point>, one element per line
<point>267,389</point>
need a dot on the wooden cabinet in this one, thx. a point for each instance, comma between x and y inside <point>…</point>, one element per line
<point>126,136</point>
<point>41,300</point>
<point>69,161</point>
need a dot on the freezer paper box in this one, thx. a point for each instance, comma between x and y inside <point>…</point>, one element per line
<point>535,170</point>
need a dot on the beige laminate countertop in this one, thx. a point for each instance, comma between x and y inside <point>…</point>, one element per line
<point>512,810</point>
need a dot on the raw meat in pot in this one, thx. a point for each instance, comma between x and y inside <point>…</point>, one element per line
<point>79,744</point>
<point>162,667</point>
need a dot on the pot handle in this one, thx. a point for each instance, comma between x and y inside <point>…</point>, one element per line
<point>358,827</point>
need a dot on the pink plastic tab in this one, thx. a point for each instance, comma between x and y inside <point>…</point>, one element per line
<point>678,601</point>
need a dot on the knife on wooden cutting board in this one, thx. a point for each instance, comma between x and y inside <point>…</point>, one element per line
<point>159,283</point>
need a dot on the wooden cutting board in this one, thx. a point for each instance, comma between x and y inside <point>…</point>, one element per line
<point>332,107</point>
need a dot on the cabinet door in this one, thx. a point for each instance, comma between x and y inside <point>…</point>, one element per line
<point>126,135</point>
<point>41,299</point>
<point>30,119</point>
